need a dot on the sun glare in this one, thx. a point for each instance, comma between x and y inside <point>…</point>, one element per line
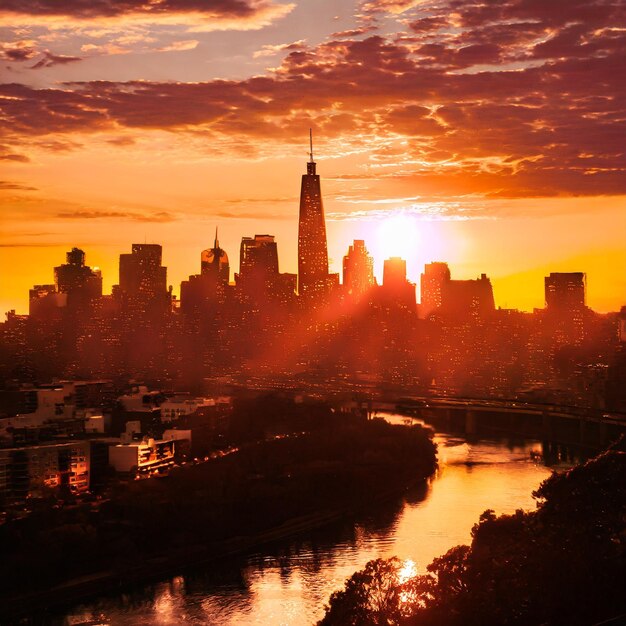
<point>407,571</point>
<point>397,235</point>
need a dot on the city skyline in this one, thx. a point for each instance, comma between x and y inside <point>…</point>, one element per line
<point>488,137</point>
<point>312,251</point>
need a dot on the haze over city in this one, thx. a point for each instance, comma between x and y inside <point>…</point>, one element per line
<point>484,135</point>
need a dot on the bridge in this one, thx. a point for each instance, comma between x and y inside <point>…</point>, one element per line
<point>574,426</point>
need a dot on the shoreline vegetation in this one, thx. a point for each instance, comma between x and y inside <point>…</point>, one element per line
<point>296,468</point>
<point>564,563</point>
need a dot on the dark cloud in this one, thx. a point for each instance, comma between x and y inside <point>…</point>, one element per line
<point>428,24</point>
<point>520,98</point>
<point>18,51</point>
<point>49,60</point>
<point>13,186</point>
<point>91,9</point>
<point>10,156</point>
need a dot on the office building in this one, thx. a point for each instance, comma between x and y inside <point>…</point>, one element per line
<point>214,263</point>
<point>312,247</point>
<point>396,288</point>
<point>78,281</point>
<point>565,291</point>
<point>358,269</point>
<point>142,277</point>
<point>433,283</point>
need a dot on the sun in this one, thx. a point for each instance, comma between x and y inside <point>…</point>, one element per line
<point>398,235</point>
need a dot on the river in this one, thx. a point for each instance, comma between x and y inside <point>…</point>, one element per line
<point>288,584</point>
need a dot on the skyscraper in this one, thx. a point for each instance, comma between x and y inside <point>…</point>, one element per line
<point>143,280</point>
<point>566,307</point>
<point>565,291</point>
<point>396,288</point>
<point>258,257</point>
<point>432,286</point>
<point>258,275</point>
<point>463,298</point>
<point>214,263</point>
<point>202,292</point>
<point>312,247</point>
<point>80,282</point>
<point>358,269</point>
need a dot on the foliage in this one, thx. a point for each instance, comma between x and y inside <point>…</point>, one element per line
<point>564,563</point>
<point>377,595</point>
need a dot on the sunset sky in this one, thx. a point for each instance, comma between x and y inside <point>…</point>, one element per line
<point>486,134</point>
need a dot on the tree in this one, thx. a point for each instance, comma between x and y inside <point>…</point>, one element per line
<point>382,594</point>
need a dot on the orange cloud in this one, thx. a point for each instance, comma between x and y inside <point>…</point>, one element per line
<point>518,101</point>
<point>197,14</point>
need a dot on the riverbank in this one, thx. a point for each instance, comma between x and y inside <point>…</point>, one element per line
<point>562,563</point>
<point>353,464</point>
<point>156,568</point>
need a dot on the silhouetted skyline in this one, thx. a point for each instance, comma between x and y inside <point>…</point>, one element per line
<point>444,131</point>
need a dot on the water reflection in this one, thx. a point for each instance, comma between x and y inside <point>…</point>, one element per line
<point>290,582</point>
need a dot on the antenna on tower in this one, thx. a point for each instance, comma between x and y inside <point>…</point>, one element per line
<point>216,245</point>
<point>311,143</point>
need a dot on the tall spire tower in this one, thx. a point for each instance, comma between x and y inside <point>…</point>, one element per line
<point>312,246</point>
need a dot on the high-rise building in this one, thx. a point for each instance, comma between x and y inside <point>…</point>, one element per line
<point>396,288</point>
<point>394,272</point>
<point>432,286</point>
<point>565,291</point>
<point>214,263</point>
<point>258,275</point>
<point>143,280</point>
<point>461,298</point>
<point>312,247</point>
<point>258,257</point>
<point>202,291</point>
<point>358,269</point>
<point>80,282</point>
<point>566,307</point>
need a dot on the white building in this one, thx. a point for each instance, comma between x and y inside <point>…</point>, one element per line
<point>178,406</point>
<point>144,456</point>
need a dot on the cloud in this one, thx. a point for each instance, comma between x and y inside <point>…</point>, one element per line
<point>354,32</point>
<point>180,46</point>
<point>49,60</point>
<point>38,244</point>
<point>13,186</point>
<point>121,141</point>
<point>263,200</point>
<point>510,99</point>
<point>240,215</point>
<point>270,50</point>
<point>425,212</point>
<point>205,15</point>
<point>10,156</point>
<point>156,216</point>
<point>18,51</point>
<point>389,6</point>
<point>58,145</point>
